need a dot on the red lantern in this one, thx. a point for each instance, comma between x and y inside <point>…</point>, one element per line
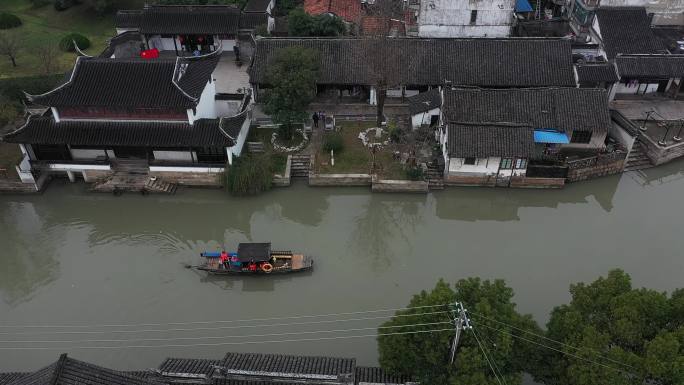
<point>200,39</point>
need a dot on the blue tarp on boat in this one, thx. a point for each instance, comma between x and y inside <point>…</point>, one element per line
<point>548,136</point>
<point>523,6</point>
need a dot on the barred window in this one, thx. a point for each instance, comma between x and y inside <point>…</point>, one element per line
<point>521,163</point>
<point>506,163</point>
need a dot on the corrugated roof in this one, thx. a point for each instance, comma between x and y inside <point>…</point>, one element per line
<point>490,62</point>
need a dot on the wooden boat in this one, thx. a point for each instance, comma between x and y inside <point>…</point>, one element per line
<point>255,259</point>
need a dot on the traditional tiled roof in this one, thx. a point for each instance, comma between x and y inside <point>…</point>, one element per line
<point>128,19</point>
<point>651,66</point>
<point>349,10</point>
<point>188,367</point>
<point>485,141</point>
<point>253,20</point>
<point>566,109</point>
<point>596,73</point>
<point>425,101</point>
<point>133,83</point>
<point>204,132</point>
<point>375,375</point>
<point>627,30</point>
<point>183,19</point>
<point>68,371</point>
<point>7,378</point>
<point>512,62</point>
<point>278,365</point>
<point>281,27</point>
<point>256,6</point>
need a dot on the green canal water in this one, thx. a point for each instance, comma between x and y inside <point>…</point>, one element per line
<point>68,257</point>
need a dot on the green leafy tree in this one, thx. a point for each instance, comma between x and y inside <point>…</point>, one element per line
<point>292,79</point>
<point>631,335</point>
<point>302,24</point>
<point>425,356</point>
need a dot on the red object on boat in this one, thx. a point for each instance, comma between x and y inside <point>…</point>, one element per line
<point>149,53</point>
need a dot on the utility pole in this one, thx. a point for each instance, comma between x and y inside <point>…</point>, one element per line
<point>461,322</point>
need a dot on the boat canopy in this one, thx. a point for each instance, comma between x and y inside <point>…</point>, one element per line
<point>254,252</point>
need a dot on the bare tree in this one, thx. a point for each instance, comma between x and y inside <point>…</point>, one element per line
<point>10,45</point>
<point>47,54</point>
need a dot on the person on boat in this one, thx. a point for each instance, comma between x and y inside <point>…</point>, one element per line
<point>224,258</point>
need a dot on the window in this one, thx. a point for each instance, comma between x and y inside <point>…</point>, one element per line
<point>473,16</point>
<point>581,137</point>
<point>506,163</point>
<point>521,163</point>
<point>469,161</point>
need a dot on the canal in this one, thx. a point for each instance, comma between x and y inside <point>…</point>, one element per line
<point>68,257</point>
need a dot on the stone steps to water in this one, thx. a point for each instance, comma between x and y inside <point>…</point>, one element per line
<point>637,159</point>
<point>156,185</point>
<point>255,147</point>
<point>131,166</point>
<point>299,166</point>
<point>434,178</point>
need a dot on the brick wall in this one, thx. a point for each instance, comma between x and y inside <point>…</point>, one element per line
<point>659,154</point>
<point>596,167</point>
<point>461,180</point>
<point>524,182</point>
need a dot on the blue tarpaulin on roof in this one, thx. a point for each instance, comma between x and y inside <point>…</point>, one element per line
<point>547,136</point>
<point>523,6</point>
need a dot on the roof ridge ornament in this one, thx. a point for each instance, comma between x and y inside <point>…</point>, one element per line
<point>78,50</point>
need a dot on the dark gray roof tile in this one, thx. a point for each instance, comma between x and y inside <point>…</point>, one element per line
<point>257,6</point>
<point>650,66</point>
<point>565,109</point>
<point>512,62</point>
<point>279,364</point>
<point>627,30</point>
<point>425,101</point>
<point>133,83</point>
<point>190,19</point>
<point>596,73</point>
<point>205,132</point>
<point>375,375</point>
<point>466,141</point>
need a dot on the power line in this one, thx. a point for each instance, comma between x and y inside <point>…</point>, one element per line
<point>226,337</point>
<point>557,350</point>
<point>225,343</point>
<point>493,360</point>
<point>222,321</point>
<point>217,327</point>
<point>597,353</point>
<point>487,358</point>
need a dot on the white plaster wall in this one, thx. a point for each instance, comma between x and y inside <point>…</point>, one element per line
<point>482,166</point>
<point>638,88</point>
<point>181,156</point>
<point>86,154</point>
<point>242,137</point>
<point>394,92</point>
<point>423,118</point>
<point>622,136</point>
<point>227,45</point>
<point>206,108</point>
<point>451,18</point>
<point>110,154</point>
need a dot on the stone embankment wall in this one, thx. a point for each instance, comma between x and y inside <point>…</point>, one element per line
<point>596,166</point>
<point>340,179</point>
<point>11,186</point>
<point>92,176</point>
<point>469,180</point>
<point>658,154</point>
<point>283,180</point>
<point>399,186</point>
<point>199,179</point>
<point>523,182</point>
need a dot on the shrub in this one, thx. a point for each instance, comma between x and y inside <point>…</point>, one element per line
<point>250,174</point>
<point>261,30</point>
<point>333,142</point>
<point>9,20</point>
<point>13,88</point>
<point>395,133</point>
<point>414,173</point>
<point>67,42</point>
<point>8,112</point>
